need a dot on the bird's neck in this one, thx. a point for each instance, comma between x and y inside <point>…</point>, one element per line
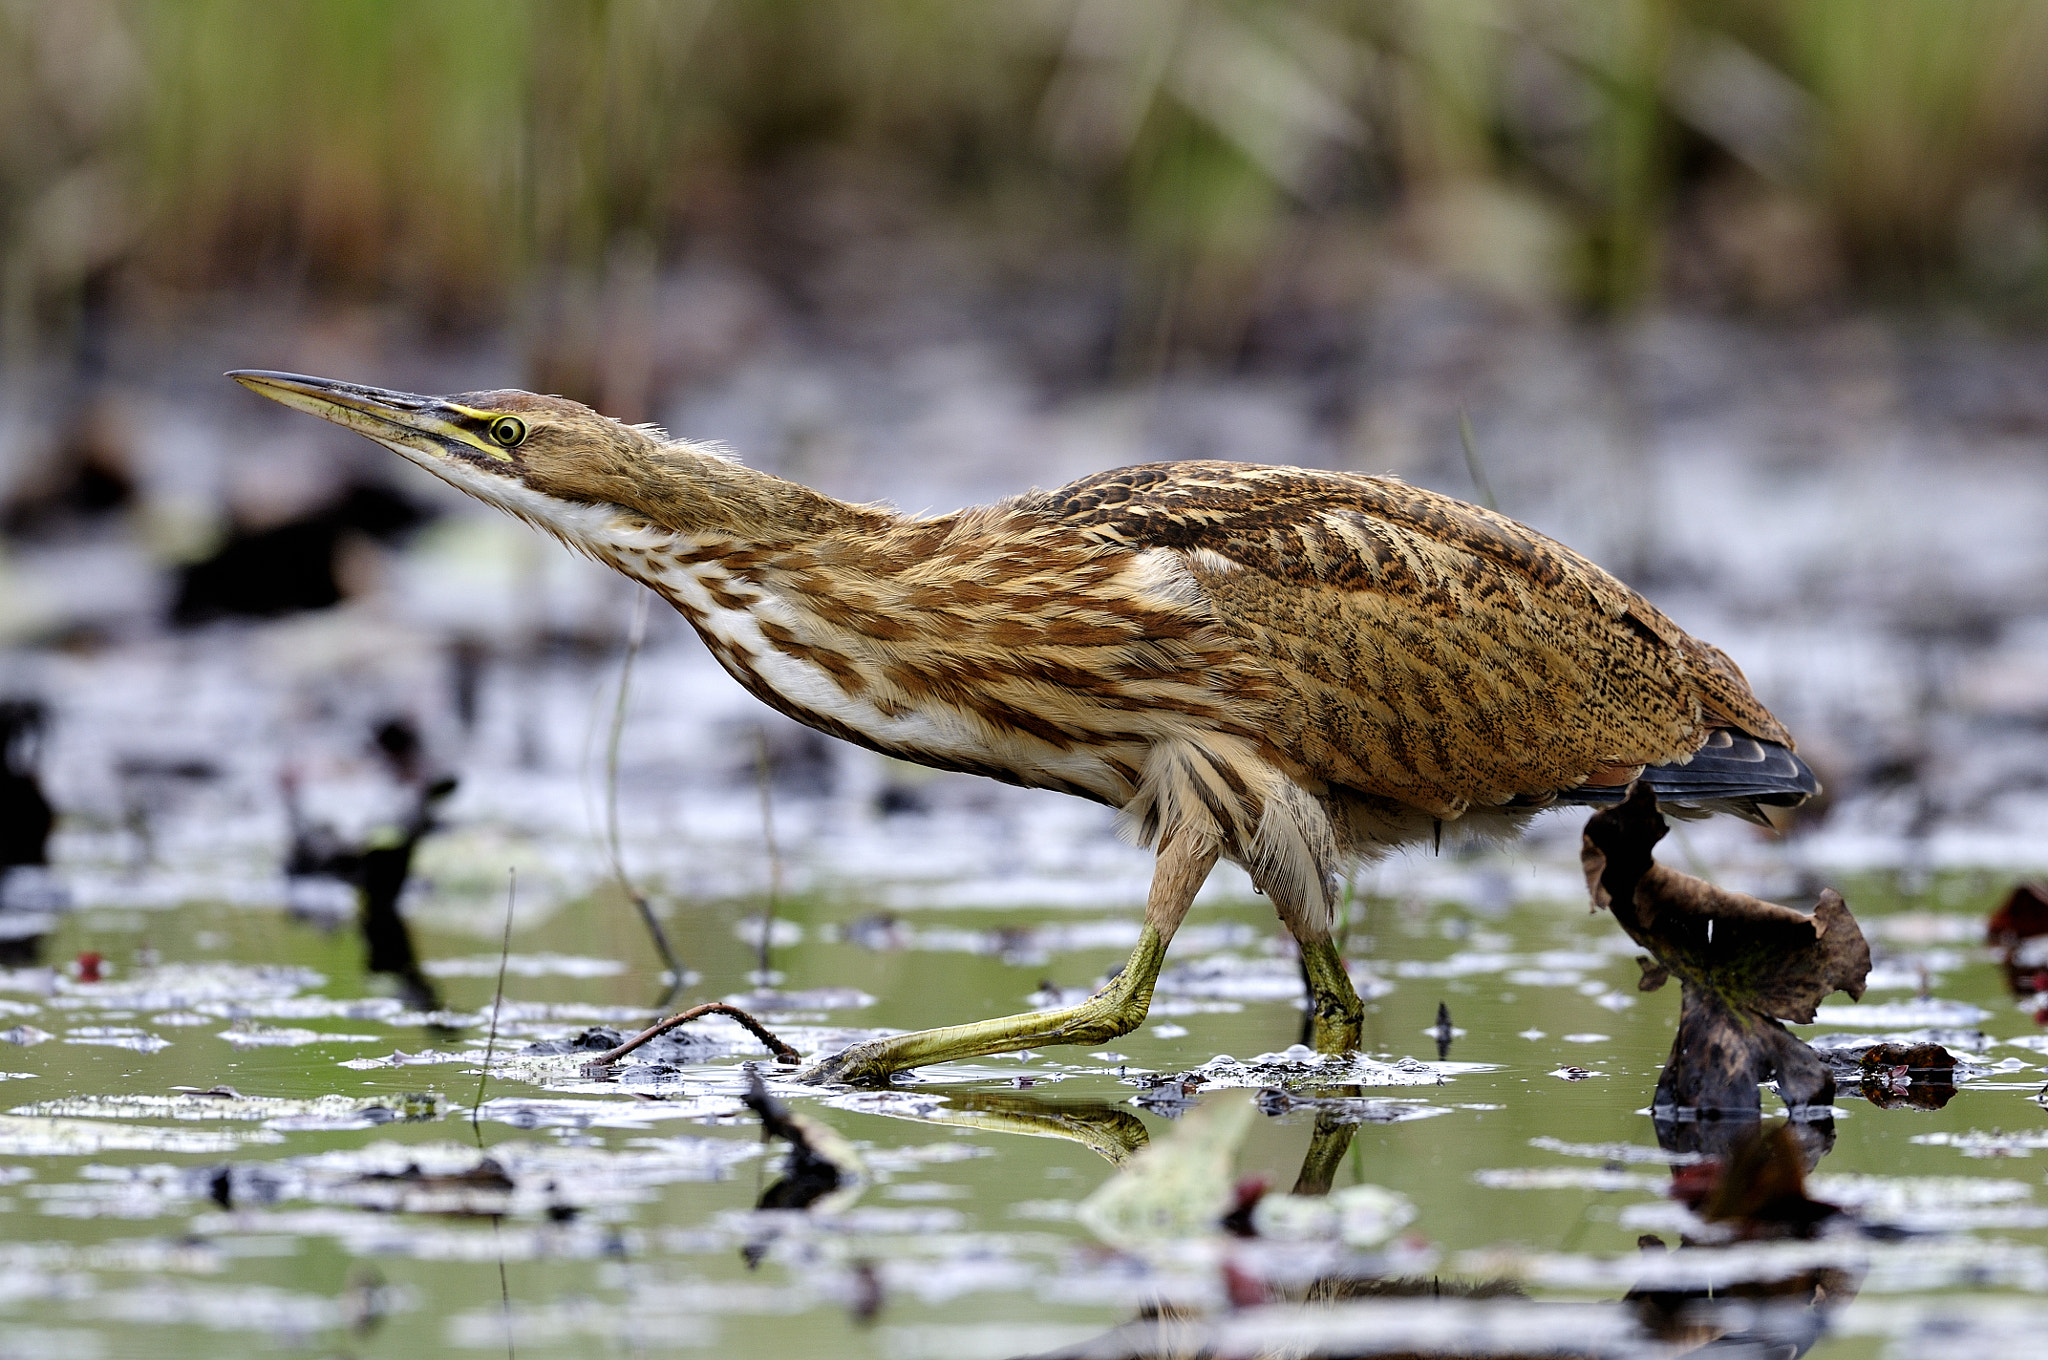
<point>752,560</point>
<point>705,498</point>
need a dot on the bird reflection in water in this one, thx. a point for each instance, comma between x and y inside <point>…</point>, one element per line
<point>378,867</point>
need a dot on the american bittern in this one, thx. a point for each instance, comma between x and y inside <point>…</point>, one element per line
<point>1286,668</point>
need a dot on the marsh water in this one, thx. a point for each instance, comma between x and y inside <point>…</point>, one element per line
<point>223,1134</point>
<point>235,1138</point>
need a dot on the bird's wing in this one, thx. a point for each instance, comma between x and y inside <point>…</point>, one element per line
<point>1429,650</point>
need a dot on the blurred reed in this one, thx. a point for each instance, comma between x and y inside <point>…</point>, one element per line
<point>483,160</point>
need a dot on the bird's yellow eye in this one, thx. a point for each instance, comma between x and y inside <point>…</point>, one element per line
<point>508,432</point>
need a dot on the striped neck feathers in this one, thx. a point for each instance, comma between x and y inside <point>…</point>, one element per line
<point>622,487</point>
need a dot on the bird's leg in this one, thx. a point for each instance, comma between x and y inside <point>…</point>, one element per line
<point>1184,862</point>
<point>1336,1015</point>
<point>1325,1155</point>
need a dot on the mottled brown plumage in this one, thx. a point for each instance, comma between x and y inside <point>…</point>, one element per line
<point>1284,667</point>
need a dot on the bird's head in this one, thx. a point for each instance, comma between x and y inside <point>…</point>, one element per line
<point>551,461</point>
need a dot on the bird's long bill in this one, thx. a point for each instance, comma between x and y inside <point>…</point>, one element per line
<point>426,429</point>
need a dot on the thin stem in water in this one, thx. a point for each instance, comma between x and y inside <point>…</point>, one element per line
<point>497,1002</point>
<point>635,636</point>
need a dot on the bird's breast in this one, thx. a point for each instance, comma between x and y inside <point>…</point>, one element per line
<point>888,704</point>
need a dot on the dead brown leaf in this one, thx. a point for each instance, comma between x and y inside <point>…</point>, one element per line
<point>1744,965</point>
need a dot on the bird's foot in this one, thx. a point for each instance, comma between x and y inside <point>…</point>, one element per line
<point>866,1064</point>
<point>1336,1015</point>
<point>1116,1010</point>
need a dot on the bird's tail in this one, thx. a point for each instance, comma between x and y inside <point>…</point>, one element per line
<point>1732,773</point>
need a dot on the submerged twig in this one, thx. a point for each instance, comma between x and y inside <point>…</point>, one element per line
<point>636,634</point>
<point>823,1174</point>
<point>783,1052</point>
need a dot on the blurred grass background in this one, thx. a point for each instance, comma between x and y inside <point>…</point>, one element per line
<point>494,163</point>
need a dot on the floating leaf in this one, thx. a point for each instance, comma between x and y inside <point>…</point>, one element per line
<point>810,999</point>
<point>1625,1153</point>
<point>1230,977</point>
<point>1921,1075</point>
<point>386,1008</point>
